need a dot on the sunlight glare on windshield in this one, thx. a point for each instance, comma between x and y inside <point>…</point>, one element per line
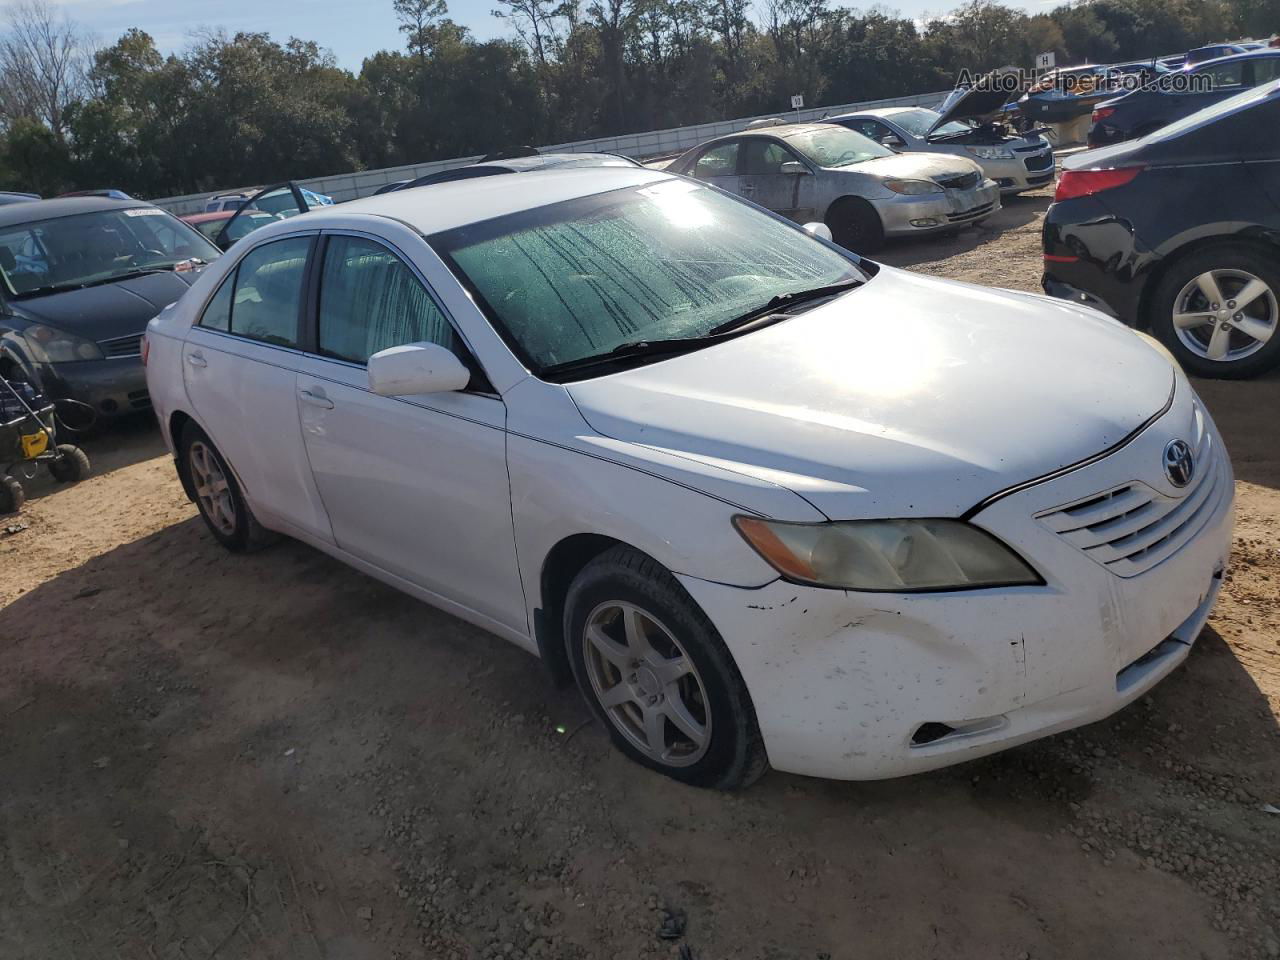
<point>678,203</point>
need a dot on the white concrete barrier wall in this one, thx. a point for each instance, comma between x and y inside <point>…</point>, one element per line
<point>361,183</point>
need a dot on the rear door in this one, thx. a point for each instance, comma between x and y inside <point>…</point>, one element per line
<point>761,179</point>
<point>239,365</point>
<point>280,201</point>
<point>416,486</point>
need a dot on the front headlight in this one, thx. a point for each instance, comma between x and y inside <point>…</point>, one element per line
<point>893,556</point>
<point>57,346</point>
<point>913,188</point>
<point>991,153</point>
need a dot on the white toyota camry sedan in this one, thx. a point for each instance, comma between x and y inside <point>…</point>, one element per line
<point>765,501</point>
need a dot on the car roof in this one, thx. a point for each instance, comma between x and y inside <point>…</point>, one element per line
<point>31,210</point>
<point>1266,53</point>
<point>461,202</point>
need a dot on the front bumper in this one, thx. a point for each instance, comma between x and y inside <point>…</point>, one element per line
<point>913,216</point>
<point>1016,176</point>
<point>113,387</point>
<point>845,684</point>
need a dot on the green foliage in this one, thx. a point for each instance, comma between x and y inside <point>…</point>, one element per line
<point>244,109</point>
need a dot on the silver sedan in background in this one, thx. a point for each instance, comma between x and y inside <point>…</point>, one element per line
<point>860,189</point>
<point>965,126</point>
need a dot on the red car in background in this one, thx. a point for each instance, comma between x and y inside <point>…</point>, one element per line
<point>211,224</point>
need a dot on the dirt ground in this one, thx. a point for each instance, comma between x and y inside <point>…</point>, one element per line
<point>273,756</point>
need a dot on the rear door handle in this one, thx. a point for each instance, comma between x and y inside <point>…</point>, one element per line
<point>316,399</point>
<point>196,360</point>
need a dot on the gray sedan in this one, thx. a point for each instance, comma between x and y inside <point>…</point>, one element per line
<point>861,190</point>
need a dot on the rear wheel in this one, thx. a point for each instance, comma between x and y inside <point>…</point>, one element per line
<point>218,495</point>
<point>1218,311</point>
<point>654,670</point>
<point>855,225</point>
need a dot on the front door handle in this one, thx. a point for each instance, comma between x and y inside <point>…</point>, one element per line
<point>196,360</point>
<point>316,399</point>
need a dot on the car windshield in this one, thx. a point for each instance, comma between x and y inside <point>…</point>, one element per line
<point>671,260</point>
<point>835,146</point>
<point>917,123</point>
<point>44,256</point>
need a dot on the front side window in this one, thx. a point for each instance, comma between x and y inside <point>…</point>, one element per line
<point>370,300</point>
<point>261,298</point>
<point>669,260</point>
<point>1224,75</point>
<point>91,249</point>
<point>764,157</point>
<point>721,161</point>
<point>1265,69</point>
<point>835,146</point>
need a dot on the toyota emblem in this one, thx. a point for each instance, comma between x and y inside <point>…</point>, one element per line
<point>1179,464</point>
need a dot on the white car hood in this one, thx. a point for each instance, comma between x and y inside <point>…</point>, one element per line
<point>909,396</point>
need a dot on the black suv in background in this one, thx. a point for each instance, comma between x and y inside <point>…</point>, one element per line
<point>1179,233</point>
<point>1139,112</point>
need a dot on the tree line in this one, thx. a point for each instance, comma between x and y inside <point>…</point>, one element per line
<point>242,109</point>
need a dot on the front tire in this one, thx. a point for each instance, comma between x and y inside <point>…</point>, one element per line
<point>655,672</point>
<point>1218,312</point>
<point>218,496</point>
<point>855,225</point>
<point>12,496</point>
<point>72,465</point>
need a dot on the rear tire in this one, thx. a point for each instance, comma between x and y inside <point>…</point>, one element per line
<point>855,225</point>
<point>655,672</point>
<point>72,466</point>
<point>218,496</point>
<point>12,496</point>
<point>1215,335</point>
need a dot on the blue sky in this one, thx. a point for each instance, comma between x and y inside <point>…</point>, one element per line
<point>352,29</point>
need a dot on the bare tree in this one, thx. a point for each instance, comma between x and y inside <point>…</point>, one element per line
<point>44,64</point>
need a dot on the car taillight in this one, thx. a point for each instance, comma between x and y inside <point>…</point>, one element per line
<point>1085,183</point>
<point>146,349</point>
<point>1102,113</point>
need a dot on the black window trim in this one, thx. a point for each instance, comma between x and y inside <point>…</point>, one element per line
<point>480,382</point>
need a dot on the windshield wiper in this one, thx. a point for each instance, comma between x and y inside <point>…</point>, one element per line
<point>769,313</point>
<point>64,287</point>
<point>781,302</point>
<point>630,349</point>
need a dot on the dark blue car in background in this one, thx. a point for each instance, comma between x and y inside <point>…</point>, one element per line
<point>1180,94</point>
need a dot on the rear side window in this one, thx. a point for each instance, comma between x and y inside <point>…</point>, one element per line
<point>1265,69</point>
<point>370,300</point>
<point>261,299</point>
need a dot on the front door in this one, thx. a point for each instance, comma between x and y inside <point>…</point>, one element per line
<point>762,180</point>
<point>416,486</point>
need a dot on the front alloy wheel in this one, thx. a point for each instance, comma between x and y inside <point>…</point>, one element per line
<point>646,683</point>
<point>655,672</point>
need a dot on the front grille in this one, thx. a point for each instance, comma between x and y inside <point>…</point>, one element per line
<point>1042,162</point>
<point>123,346</point>
<point>1132,528</point>
<point>1034,148</point>
<point>966,181</point>
<point>970,213</point>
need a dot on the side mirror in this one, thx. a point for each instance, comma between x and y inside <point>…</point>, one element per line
<point>416,368</point>
<point>892,141</point>
<point>818,230</point>
<point>793,168</point>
